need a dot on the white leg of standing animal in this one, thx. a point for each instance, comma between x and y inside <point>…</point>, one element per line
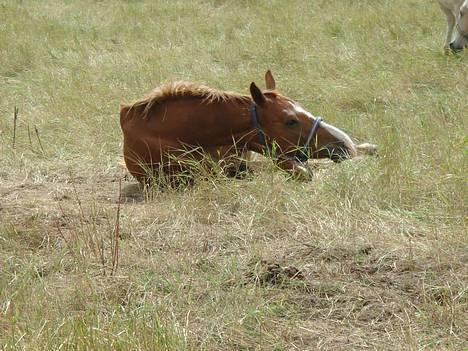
<point>450,25</point>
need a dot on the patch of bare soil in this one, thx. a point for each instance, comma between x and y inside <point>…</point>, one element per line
<point>271,273</point>
<point>34,213</point>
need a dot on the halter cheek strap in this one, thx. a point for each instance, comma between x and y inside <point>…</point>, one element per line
<point>301,154</point>
<point>256,124</point>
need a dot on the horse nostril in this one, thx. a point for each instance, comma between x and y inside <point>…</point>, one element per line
<point>454,48</point>
<point>337,158</point>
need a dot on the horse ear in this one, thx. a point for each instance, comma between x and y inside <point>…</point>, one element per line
<point>270,81</point>
<point>257,94</point>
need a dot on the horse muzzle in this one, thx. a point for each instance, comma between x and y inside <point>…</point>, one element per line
<point>337,152</point>
<point>455,48</point>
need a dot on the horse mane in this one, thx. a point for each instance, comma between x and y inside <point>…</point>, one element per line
<point>183,89</point>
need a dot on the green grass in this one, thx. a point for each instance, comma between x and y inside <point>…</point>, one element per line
<point>380,243</point>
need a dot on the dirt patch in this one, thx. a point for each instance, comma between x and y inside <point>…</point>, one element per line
<point>270,273</point>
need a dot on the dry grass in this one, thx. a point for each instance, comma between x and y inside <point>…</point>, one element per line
<point>370,254</point>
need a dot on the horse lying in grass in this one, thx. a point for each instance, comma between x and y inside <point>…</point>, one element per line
<point>457,18</point>
<point>180,122</point>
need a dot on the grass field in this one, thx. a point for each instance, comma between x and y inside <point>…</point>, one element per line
<point>370,255</point>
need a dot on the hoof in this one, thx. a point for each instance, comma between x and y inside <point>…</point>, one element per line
<point>301,172</point>
<point>366,149</point>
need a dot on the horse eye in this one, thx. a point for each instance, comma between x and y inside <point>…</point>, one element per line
<point>292,122</point>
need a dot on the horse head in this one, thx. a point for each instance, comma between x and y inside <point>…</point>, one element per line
<point>295,132</point>
<point>460,40</point>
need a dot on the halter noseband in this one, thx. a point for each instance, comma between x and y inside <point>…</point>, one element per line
<point>301,154</point>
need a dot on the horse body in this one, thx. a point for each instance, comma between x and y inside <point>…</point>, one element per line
<point>178,118</point>
<point>178,126</point>
<point>456,12</point>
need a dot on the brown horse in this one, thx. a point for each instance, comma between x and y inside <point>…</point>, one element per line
<point>177,118</point>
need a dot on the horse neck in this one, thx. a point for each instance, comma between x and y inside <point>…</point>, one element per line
<point>238,121</point>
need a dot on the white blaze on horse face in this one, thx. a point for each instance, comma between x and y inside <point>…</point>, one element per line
<point>340,135</point>
<point>337,133</point>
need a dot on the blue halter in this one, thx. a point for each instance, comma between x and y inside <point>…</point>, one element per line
<point>301,154</point>
<point>254,120</point>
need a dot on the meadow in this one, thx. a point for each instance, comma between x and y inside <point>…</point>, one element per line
<point>371,254</point>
